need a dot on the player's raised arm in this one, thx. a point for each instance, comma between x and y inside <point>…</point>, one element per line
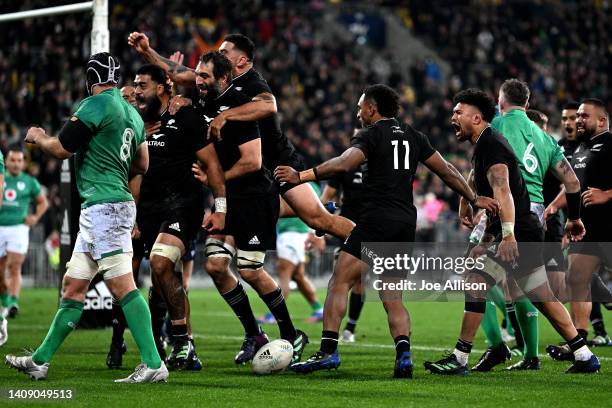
<point>347,161</point>
<point>179,73</point>
<point>452,178</point>
<point>54,146</point>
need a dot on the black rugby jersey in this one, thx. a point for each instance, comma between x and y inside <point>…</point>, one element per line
<point>169,182</point>
<point>393,151</point>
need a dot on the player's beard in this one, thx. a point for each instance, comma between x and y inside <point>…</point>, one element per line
<point>209,92</point>
<point>150,113</point>
<point>585,132</point>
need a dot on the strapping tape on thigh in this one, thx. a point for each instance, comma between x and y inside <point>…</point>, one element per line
<point>215,248</point>
<point>250,259</point>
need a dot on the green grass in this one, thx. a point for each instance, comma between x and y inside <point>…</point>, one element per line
<point>364,379</point>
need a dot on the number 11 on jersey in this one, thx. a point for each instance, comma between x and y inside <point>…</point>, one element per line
<point>395,144</point>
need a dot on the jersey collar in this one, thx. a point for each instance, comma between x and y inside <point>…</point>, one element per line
<point>224,92</point>
<point>243,74</point>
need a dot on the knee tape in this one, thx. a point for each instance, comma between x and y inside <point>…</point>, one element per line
<point>491,270</point>
<point>536,278</point>
<point>167,251</point>
<point>215,248</point>
<point>81,266</point>
<point>116,265</point>
<point>250,259</point>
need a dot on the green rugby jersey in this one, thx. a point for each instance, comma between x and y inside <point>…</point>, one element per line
<point>102,166</point>
<point>535,150</point>
<point>19,192</point>
<point>295,224</point>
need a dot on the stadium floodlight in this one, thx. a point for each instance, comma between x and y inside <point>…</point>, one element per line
<point>99,31</point>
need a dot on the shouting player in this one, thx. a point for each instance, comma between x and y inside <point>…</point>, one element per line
<point>393,151</point>
<point>516,231</point>
<point>171,205</point>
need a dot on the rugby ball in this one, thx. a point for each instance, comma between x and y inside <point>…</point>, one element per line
<point>273,357</point>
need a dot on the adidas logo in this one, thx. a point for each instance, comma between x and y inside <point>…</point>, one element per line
<point>175,226</point>
<point>254,241</point>
<point>98,298</point>
<point>266,355</point>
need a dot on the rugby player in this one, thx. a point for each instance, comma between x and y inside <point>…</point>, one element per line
<point>118,348</point>
<point>253,204</point>
<point>516,231</point>
<point>294,238</point>
<point>393,151</point>
<point>347,189</point>
<point>537,154</point>
<point>129,94</point>
<point>591,162</point>
<point>171,201</point>
<point>106,134</point>
<point>20,191</point>
<point>3,322</point>
<point>277,149</point>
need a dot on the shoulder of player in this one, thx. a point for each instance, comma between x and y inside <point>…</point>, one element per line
<point>251,75</point>
<point>185,114</point>
<point>492,139</point>
<point>231,98</point>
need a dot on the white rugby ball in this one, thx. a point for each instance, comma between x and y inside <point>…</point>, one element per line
<point>273,357</point>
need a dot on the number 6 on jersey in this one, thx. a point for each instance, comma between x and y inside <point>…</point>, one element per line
<point>395,144</point>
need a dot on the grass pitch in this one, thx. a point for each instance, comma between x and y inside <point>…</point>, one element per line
<point>364,378</point>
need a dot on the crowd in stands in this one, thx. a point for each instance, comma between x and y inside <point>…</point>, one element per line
<point>562,49</point>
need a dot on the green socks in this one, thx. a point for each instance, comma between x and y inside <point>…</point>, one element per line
<point>65,321</point>
<point>316,306</point>
<point>527,316</point>
<point>490,326</point>
<point>4,299</point>
<point>496,294</point>
<point>138,318</point>
<point>12,301</point>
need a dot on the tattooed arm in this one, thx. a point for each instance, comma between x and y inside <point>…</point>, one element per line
<point>497,175</point>
<point>179,73</point>
<point>498,179</point>
<point>565,174</point>
<point>261,106</point>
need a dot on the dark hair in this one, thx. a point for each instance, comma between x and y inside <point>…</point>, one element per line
<point>385,98</point>
<point>538,117</point>
<point>479,99</point>
<point>15,147</point>
<point>598,103</point>
<point>515,92</point>
<point>571,105</point>
<point>595,102</point>
<point>221,65</point>
<point>243,43</point>
<point>157,75</point>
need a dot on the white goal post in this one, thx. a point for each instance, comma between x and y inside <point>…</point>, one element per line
<point>99,31</point>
